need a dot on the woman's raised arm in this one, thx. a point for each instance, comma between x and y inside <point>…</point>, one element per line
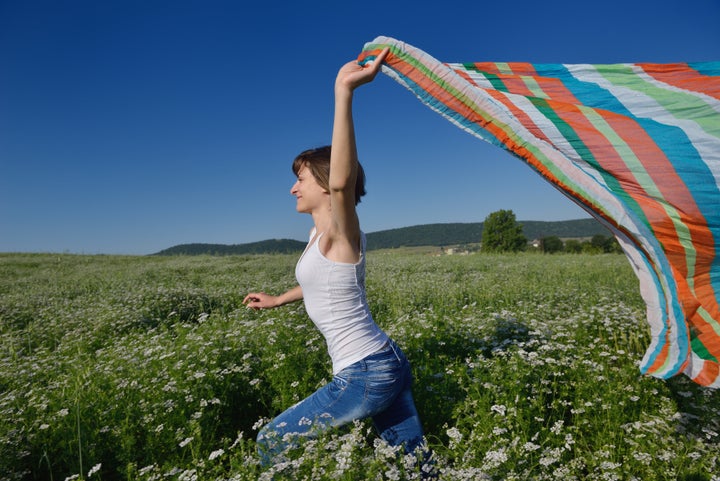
<point>344,157</point>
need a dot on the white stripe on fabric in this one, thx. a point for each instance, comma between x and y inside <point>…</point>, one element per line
<point>712,102</point>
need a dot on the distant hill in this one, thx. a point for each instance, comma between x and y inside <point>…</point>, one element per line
<point>272,246</point>
<point>425,235</point>
<point>421,235</point>
<point>565,230</point>
<point>471,233</point>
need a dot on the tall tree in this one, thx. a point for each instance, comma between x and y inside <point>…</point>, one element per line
<point>502,233</point>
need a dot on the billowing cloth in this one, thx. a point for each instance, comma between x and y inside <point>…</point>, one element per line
<point>636,145</point>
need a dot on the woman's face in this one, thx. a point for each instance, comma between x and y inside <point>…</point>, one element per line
<point>309,194</point>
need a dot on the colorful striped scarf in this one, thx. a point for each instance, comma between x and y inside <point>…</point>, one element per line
<point>636,145</point>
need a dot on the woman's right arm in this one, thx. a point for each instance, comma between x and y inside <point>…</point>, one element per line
<point>260,300</point>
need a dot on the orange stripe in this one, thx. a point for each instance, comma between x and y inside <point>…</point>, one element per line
<point>708,374</point>
<point>662,355</point>
<point>520,114</point>
<point>516,85</point>
<point>682,76</point>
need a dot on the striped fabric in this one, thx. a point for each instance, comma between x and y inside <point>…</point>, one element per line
<point>636,145</point>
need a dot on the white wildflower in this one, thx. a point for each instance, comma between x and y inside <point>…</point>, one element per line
<point>498,408</point>
<point>454,434</point>
<point>146,470</point>
<point>644,458</point>
<point>216,454</point>
<point>609,466</point>
<point>550,456</point>
<point>383,450</point>
<point>557,427</point>
<point>238,440</point>
<point>94,469</point>
<point>185,442</point>
<point>188,475</point>
<point>529,447</point>
<point>494,459</point>
<point>393,474</point>
<point>259,423</point>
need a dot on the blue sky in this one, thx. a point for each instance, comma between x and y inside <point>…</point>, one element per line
<point>127,127</point>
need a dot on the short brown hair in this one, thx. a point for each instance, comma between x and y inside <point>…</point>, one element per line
<point>318,162</point>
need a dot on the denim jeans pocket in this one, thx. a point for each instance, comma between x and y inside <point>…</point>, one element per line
<point>384,382</point>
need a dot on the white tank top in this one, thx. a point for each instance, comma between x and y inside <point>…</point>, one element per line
<point>335,300</point>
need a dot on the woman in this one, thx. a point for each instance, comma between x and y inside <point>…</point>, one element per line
<point>371,376</point>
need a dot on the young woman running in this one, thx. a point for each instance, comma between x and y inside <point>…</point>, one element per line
<point>371,375</point>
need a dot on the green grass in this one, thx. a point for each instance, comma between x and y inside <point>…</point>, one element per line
<point>150,368</point>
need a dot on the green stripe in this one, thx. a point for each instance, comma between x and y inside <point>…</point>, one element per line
<point>490,77</point>
<point>504,68</point>
<point>697,346</point>
<point>681,105</point>
<point>534,87</point>
<point>496,82</point>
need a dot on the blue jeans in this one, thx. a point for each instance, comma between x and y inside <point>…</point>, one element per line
<point>377,387</point>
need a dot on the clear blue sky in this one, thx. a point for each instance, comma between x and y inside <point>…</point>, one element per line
<point>129,126</point>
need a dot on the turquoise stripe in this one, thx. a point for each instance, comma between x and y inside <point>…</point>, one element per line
<point>710,69</point>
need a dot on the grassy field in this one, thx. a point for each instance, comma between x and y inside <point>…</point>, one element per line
<point>150,368</point>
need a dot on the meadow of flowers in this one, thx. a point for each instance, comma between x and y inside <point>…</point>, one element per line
<point>150,368</point>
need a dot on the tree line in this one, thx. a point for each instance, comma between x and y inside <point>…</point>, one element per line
<point>503,233</point>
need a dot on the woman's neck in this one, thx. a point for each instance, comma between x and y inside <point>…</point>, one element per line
<point>322,221</point>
